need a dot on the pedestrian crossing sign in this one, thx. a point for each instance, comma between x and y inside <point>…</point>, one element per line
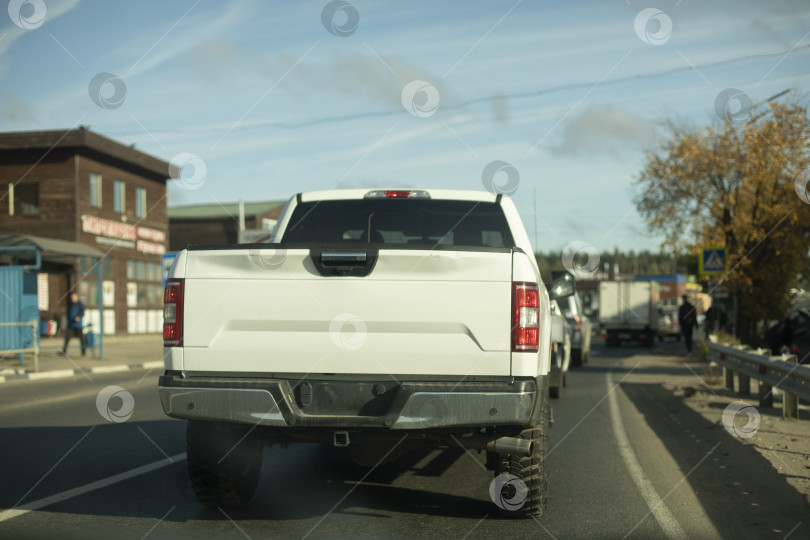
<point>713,261</point>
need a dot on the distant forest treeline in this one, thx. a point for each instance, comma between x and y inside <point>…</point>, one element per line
<point>641,263</point>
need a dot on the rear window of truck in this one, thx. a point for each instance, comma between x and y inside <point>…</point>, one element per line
<point>400,221</point>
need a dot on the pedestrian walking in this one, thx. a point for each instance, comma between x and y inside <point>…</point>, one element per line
<point>75,323</point>
<point>779,337</point>
<point>688,320</point>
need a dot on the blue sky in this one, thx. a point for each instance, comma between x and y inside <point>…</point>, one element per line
<point>271,102</point>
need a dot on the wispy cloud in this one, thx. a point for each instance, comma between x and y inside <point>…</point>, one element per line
<point>13,32</point>
<point>605,129</point>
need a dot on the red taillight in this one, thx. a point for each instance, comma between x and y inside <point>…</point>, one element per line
<point>578,327</point>
<point>173,313</point>
<point>526,317</point>
<point>643,337</point>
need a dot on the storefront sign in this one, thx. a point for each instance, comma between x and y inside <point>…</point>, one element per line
<point>125,235</point>
<point>150,248</point>
<point>115,242</point>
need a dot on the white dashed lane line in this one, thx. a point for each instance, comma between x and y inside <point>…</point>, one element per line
<point>87,488</point>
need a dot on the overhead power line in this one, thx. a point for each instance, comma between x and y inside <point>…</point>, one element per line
<point>466,103</point>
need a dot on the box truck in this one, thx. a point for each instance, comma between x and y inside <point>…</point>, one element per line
<point>628,311</point>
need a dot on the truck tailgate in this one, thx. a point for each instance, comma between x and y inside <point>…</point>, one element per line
<point>626,304</point>
<point>420,312</point>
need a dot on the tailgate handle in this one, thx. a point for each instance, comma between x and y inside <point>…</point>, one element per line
<point>352,258</point>
<point>344,263</point>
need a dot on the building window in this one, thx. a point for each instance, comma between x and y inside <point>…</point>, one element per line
<point>107,268</point>
<point>95,190</point>
<point>140,202</point>
<point>155,296</point>
<point>23,199</point>
<point>153,272</point>
<point>119,197</point>
<point>88,292</point>
<point>89,266</point>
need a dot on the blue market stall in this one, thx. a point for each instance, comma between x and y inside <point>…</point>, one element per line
<point>21,259</point>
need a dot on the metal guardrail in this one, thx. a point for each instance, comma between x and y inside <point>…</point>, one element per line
<point>33,349</point>
<point>782,372</point>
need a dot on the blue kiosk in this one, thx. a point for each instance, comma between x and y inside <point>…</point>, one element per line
<point>21,259</point>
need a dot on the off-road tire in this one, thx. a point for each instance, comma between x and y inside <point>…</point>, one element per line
<point>223,464</point>
<point>531,469</point>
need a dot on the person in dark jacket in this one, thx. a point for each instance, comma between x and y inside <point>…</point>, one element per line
<point>780,337</point>
<point>687,317</point>
<point>74,323</point>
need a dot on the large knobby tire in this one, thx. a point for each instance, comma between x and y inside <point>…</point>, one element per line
<point>223,464</point>
<point>531,470</point>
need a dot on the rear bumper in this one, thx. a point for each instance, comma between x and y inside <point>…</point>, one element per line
<point>399,405</point>
<point>630,334</point>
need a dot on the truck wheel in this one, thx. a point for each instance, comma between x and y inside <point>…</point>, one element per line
<point>529,470</point>
<point>223,464</point>
<point>576,357</point>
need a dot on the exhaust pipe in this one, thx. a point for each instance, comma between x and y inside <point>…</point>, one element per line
<point>511,445</point>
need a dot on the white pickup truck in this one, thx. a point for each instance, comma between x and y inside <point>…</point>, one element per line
<point>373,320</point>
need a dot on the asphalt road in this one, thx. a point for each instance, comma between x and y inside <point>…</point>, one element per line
<point>627,459</point>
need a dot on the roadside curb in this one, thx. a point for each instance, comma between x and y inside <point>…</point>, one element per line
<point>15,374</point>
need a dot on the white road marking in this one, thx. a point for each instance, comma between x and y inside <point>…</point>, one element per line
<point>51,374</point>
<point>109,369</point>
<point>87,488</point>
<point>152,365</point>
<point>659,510</point>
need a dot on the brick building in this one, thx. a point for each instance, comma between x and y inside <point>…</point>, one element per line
<point>221,223</point>
<point>672,288</point>
<point>79,186</point>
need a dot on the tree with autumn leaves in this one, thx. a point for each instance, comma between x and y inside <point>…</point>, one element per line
<point>742,185</point>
